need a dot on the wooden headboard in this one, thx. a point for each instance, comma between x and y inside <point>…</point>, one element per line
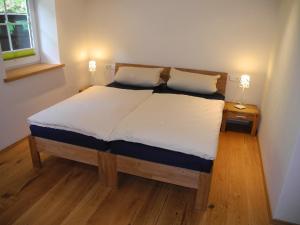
<point>165,74</point>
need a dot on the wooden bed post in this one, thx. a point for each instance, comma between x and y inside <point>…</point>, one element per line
<point>204,182</point>
<point>107,165</point>
<point>35,155</point>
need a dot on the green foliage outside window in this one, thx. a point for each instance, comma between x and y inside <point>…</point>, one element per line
<point>13,6</point>
<point>11,27</point>
<point>1,6</point>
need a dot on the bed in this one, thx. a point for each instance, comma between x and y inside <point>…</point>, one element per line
<point>151,160</point>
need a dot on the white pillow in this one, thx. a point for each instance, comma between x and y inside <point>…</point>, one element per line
<point>138,76</point>
<point>192,82</point>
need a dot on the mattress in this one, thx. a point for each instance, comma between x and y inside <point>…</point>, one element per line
<point>135,150</point>
<point>93,113</point>
<point>69,137</point>
<point>180,123</point>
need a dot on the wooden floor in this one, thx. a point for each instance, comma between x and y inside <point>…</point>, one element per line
<point>66,192</point>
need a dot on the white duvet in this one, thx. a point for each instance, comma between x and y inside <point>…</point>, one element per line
<point>94,112</point>
<point>180,123</point>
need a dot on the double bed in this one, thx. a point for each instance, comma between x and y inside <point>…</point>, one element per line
<point>156,133</point>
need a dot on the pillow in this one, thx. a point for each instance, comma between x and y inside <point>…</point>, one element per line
<point>139,76</point>
<point>192,82</point>
<point>163,89</point>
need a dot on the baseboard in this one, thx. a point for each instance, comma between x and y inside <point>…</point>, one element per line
<point>272,221</point>
<point>264,180</point>
<point>13,145</point>
<point>279,222</point>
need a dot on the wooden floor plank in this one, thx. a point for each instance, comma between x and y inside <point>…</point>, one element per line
<point>122,205</point>
<point>235,195</point>
<point>33,191</point>
<point>67,193</point>
<point>87,206</point>
<point>176,207</point>
<point>58,202</point>
<point>254,173</point>
<point>18,175</point>
<point>151,211</point>
<point>23,187</point>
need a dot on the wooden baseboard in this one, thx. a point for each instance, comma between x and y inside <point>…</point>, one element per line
<point>264,180</point>
<point>272,221</point>
<point>13,145</point>
<point>280,222</point>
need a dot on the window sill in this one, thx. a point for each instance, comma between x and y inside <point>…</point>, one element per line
<point>26,71</point>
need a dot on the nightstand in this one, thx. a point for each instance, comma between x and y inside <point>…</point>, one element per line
<point>251,113</point>
<point>82,89</point>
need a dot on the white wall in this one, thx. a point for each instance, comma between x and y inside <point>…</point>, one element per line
<point>72,38</point>
<point>47,30</point>
<point>22,98</point>
<point>225,35</point>
<point>289,201</point>
<point>280,125</point>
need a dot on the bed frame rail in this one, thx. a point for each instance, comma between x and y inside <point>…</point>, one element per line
<point>109,165</point>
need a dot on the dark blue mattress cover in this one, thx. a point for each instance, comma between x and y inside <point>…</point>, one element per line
<point>131,87</point>
<point>160,155</point>
<point>164,89</point>
<point>135,150</point>
<point>69,137</point>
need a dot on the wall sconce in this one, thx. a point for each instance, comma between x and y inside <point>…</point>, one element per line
<point>92,66</point>
<point>92,70</point>
<point>244,83</point>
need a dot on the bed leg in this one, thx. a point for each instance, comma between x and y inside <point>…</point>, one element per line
<point>204,182</point>
<point>107,166</point>
<point>35,155</point>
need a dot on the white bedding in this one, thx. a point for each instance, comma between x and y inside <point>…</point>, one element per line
<point>180,123</point>
<point>94,112</point>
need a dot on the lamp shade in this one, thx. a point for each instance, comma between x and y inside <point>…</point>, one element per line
<point>92,66</point>
<point>245,81</point>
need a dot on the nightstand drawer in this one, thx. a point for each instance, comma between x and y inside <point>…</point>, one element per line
<point>239,116</point>
<point>249,114</point>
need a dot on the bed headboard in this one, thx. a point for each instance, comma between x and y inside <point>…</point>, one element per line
<point>165,74</point>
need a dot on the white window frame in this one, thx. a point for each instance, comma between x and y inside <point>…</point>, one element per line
<point>27,60</point>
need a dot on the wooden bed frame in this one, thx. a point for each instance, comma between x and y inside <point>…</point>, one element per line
<point>109,165</point>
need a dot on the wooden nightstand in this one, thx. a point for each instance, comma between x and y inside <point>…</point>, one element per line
<point>251,113</point>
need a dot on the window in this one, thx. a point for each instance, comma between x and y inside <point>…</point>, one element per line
<point>17,38</point>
